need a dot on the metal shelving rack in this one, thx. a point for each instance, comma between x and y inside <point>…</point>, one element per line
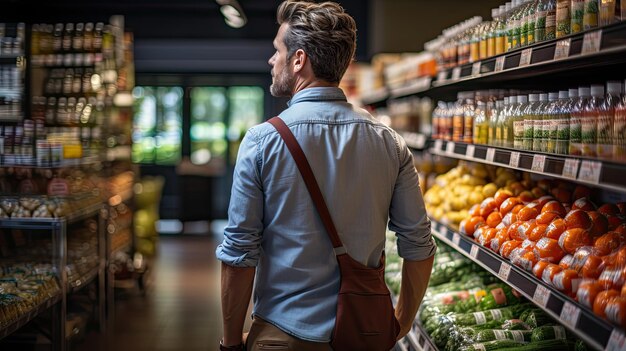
<point>58,231</point>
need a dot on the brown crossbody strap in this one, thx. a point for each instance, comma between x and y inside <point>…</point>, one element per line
<point>309,180</point>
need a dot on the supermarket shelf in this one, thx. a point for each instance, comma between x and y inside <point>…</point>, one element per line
<point>589,171</point>
<point>417,141</point>
<point>23,320</point>
<point>595,331</point>
<point>375,97</point>
<point>85,279</point>
<point>50,223</point>
<point>417,86</point>
<point>67,163</point>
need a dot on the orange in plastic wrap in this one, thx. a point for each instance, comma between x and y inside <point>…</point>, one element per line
<point>613,277</point>
<point>566,281</point>
<point>593,267</point>
<point>616,258</point>
<point>523,230</point>
<point>566,261</point>
<point>494,219</point>
<point>614,221</point>
<point>526,196</point>
<point>517,208</point>
<point>572,239</point>
<point>529,212</point>
<point>562,194</point>
<point>605,244</point>
<point>539,267</point>
<point>615,311</point>
<point>538,192</point>
<point>542,201</point>
<point>578,219</point>
<point>584,204</point>
<point>556,228</point>
<point>509,219</point>
<point>508,246</point>
<point>526,258</point>
<point>501,237</point>
<point>600,224</point>
<point>549,250</point>
<point>554,206</point>
<point>487,206</point>
<point>512,229</point>
<point>474,210</point>
<point>547,217</point>
<point>587,292</point>
<point>486,235</point>
<point>508,205</point>
<point>602,300</point>
<point>502,195</point>
<point>609,210</point>
<point>579,192</point>
<point>471,224</point>
<point>538,232</point>
<point>549,272</point>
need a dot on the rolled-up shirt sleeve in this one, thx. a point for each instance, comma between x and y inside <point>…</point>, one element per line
<point>407,213</point>
<point>243,234</point>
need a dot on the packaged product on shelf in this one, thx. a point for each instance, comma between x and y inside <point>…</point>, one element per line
<point>563,18</point>
<point>577,14</point>
<point>517,119</point>
<point>589,120</point>
<point>531,119</point>
<point>575,129</point>
<point>606,119</point>
<point>481,121</point>
<point>619,128</point>
<point>590,16</point>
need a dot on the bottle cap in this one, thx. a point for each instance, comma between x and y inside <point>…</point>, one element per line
<point>543,97</point>
<point>614,87</point>
<point>522,99</point>
<point>584,92</point>
<point>533,97</point>
<point>597,90</point>
<point>563,94</point>
<point>553,96</point>
<point>572,93</point>
<point>506,100</point>
<point>513,99</point>
<point>494,13</point>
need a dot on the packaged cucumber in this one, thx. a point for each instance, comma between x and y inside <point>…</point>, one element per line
<point>545,345</point>
<point>550,332</point>
<point>501,334</point>
<point>492,345</point>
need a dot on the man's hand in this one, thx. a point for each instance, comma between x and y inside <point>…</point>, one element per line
<point>415,276</point>
<point>236,292</point>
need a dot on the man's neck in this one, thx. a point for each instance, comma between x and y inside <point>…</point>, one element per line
<point>312,83</point>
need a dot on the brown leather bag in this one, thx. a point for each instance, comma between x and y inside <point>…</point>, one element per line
<point>365,314</point>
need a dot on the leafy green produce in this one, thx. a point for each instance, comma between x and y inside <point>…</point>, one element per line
<point>549,332</point>
<point>501,334</point>
<point>535,317</point>
<point>492,345</point>
<point>546,345</point>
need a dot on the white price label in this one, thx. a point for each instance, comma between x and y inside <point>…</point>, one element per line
<point>514,160</point>
<point>438,145</point>
<point>456,73</point>
<point>541,295</point>
<point>470,151</point>
<point>590,171</point>
<point>474,251</point>
<point>476,68</point>
<point>499,64</point>
<point>441,76</point>
<point>617,341</point>
<point>456,239</point>
<point>524,59</point>
<point>505,270</point>
<point>570,168</point>
<point>592,42</point>
<point>450,147</point>
<point>539,162</point>
<point>562,49</point>
<point>491,154</point>
<point>570,314</point>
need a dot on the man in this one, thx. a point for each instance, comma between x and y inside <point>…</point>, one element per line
<point>365,172</point>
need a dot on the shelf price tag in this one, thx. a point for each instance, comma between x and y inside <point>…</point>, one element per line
<point>441,76</point>
<point>539,162</point>
<point>591,42</point>
<point>456,239</point>
<point>474,251</point>
<point>562,49</point>
<point>470,151</point>
<point>570,314</point>
<point>438,145</point>
<point>590,171</point>
<point>524,59</point>
<point>505,270</point>
<point>456,73</point>
<point>450,147</point>
<point>541,295</point>
<point>476,68</point>
<point>617,341</point>
<point>491,153</point>
<point>570,168</point>
<point>499,64</point>
<point>514,160</point>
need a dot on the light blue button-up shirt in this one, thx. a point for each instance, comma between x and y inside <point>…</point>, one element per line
<point>366,174</point>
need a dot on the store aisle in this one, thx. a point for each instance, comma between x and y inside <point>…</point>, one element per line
<point>180,310</point>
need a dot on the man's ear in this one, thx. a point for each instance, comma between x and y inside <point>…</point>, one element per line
<point>299,60</point>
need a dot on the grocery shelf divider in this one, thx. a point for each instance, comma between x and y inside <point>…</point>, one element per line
<point>594,172</point>
<point>595,331</point>
<point>27,317</point>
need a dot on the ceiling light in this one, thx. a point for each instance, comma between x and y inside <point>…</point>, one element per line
<point>233,13</point>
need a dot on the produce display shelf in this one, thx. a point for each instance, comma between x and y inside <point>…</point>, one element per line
<point>24,319</point>
<point>596,332</point>
<point>82,281</point>
<point>50,223</point>
<point>68,163</point>
<point>417,141</point>
<point>595,172</point>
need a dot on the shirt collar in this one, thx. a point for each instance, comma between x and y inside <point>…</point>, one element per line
<point>318,94</point>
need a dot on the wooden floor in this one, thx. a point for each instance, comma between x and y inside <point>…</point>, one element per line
<point>181,308</point>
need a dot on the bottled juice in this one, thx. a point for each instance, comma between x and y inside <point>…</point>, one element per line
<point>469,113</point>
<point>518,121</point>
<point>524,19</point>
<point>541,11</point>
<point>619,129</point>
<point>607,12</point>
<point>500,120</point>
<point>457,118</point>
<point>590,16</point>
<point>500,31</point>
<point>480,133</point>
<point>551,20</point>
<point>563,18</point>
<point>589,119</point>
<point>491,33</point>
<point>508,134</point>
<point>531,21</point>
<point>541,113</point>
<point>575,142</point>
<point>493,123</point>
<point>530,118</point>
<point>606,119</point>
<point>558,138</point>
